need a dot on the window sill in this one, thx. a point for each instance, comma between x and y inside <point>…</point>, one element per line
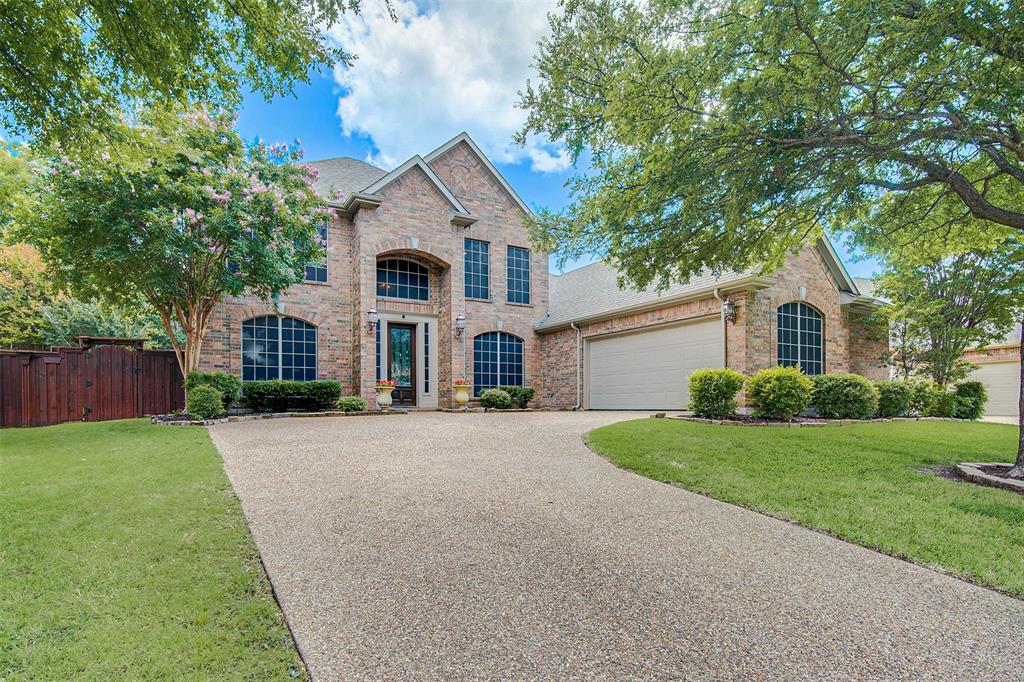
<point>315,284</point>
<point>480,300</point>
<point>385,299</point>
<point>519,305</point>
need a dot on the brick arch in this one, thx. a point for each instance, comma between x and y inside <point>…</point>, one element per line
<point>423,249</point>
<point>260,310</point>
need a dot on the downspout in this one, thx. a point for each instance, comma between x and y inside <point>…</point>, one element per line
<point>579,369</point>
<point>725,339</point>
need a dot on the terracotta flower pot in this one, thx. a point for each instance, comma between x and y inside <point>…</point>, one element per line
<point>462,395</point>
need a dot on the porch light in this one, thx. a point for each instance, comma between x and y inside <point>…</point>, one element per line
<point>729,311</point>
<point>460,325</point>
<point>372,316</point>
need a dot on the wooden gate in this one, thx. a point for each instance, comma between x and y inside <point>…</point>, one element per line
<point>87,384</point>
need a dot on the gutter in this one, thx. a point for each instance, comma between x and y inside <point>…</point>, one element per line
<point>579,368</point>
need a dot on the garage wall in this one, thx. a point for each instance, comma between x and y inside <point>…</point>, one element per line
<point>1002,381</point>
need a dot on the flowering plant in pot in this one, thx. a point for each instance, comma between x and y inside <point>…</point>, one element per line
<point>462,387</point>
<point>384,389</point>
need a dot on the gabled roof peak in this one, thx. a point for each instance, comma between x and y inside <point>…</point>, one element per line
<point>464,138</point>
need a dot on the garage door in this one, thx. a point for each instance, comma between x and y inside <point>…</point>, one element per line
<point>649,370</point>
<point>1002,381</point>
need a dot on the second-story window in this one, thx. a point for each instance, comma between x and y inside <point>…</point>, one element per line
<point>478,269</point>
<point>400,278</point>
<point>518,266</point>
<point>318,272</point>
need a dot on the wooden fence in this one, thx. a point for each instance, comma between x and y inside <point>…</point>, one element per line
<point>87,384</point>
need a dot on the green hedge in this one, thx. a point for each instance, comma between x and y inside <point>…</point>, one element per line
<point>844,396</point>
<point>894,398</point>
<point>780,392</point>
<point>203,401</point>
<point>923,393</point>
<point>280,395</point>
<point>521,395</point>
<point>351,403</point>
<point>229,385</point>
<point>713,392</point>
<point>495,399</point>
<point>969,399</point>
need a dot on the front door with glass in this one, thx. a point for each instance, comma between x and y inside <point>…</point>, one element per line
<point>402,362</point>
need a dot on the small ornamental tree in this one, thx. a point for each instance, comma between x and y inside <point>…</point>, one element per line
<point>192,216</point>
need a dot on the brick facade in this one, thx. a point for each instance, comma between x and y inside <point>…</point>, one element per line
<point>414,221</point>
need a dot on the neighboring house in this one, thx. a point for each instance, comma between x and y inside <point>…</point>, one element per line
<point>430,277</point>
<point>999,369</point>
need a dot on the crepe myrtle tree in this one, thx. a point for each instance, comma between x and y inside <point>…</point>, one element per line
<point>726,133</point>
<point>197,216</point>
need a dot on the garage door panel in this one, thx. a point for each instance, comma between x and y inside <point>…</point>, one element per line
<point>1002,383</point>
<point>650,369</point>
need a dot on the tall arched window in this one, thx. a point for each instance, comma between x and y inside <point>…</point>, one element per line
<point>278,348</point>
<point>497,361</point>
<point>800,337</point>
<point>400,278</point>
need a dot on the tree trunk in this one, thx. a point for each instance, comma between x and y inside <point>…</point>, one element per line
<point>1018,467</point>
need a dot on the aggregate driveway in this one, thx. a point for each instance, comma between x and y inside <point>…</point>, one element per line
<point>483,546</point>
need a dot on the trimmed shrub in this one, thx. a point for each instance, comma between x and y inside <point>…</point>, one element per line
<point>495,399</point>
<point>844,396</point>
<point>943,402</point>
<point>521,395</point>
<point>780,392</point>
<point>203,401</point>
<point>279,395</point>
<point>229,385</point>
<point>351,403</point>
<point>894,398</point>
<point>713,392</point>
<point>922,396</point>
<point>969,401</point>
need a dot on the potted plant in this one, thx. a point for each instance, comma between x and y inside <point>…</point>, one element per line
<point>384,389</point>
<point>462,387</point>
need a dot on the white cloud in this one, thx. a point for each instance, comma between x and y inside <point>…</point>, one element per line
<point>453,66</point>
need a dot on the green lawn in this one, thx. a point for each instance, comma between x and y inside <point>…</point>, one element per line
<point>124,555</point>
<point>858,482</point>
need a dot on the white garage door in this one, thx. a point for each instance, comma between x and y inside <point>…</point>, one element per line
<point>649,370</point>
<point>1002,381</point>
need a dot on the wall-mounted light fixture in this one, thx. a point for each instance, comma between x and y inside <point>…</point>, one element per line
<point>729,311</point>
<point>460,325</point>
<point>372,317</point>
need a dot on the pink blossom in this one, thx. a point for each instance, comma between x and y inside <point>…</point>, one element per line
<point>105,156</point>
<point>76,172</point>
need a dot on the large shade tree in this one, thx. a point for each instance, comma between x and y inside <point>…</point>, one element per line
<point>726,133</point>
<point>194,216</point>
<point>68,68</point>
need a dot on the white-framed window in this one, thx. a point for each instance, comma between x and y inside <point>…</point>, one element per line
<point>276,347</point>
<point>318,271</point>
<point>401,278</point>
<point>518,270</point>
<point>497,361</point>
<point>800,337</point>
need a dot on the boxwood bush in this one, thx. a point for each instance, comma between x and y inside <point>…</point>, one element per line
<point>970,397</point>
<point>713,392</point>
<point>203,401</point>
<point>279,395</point>
<point>844,396</point>
<point>894,398</point>
<point>521,395</point>
<point>495,399</point>
<point>228,384</point>
<point>351,403</point>
<point>923,393</point>
<point>943,402</point>
<point>780,392</point>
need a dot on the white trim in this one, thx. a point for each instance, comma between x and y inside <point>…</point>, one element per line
<point>424,399</point>
<point>835,264</point>
<point>418,162</point>
<point>464,137</point>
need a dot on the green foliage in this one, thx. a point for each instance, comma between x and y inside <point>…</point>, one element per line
<point>725,134</point>
<point>922,396</point>
<point>280,395</point>
<point>844,396</point>
<point>495,399</point>
<point>203,401</point>
<point>940,307</point>
<point>229,385</point>
<point>197,216</point>
<point>970,399</point>
<point>24,292</point>
<point>72,67</point>
<point>65,318</point>
<point>894,398</point>
<point>521,395</point>
<point>351,403</point>
<point>780,392</point>
<point>943,402</point>
<point>713,392</point>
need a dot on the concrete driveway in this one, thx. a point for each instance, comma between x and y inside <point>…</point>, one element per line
<point>440,546</point>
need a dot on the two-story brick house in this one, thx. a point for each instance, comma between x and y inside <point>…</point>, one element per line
<point>430,277</point>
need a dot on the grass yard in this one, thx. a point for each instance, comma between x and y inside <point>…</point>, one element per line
<point>858,482</point>
<point>124,555</point>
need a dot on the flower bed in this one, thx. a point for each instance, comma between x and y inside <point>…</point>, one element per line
<point>742,420</point>
<point>185,420</point>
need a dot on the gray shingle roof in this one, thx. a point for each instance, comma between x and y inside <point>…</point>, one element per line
<point>592,291</point>
<point>344,175</point>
